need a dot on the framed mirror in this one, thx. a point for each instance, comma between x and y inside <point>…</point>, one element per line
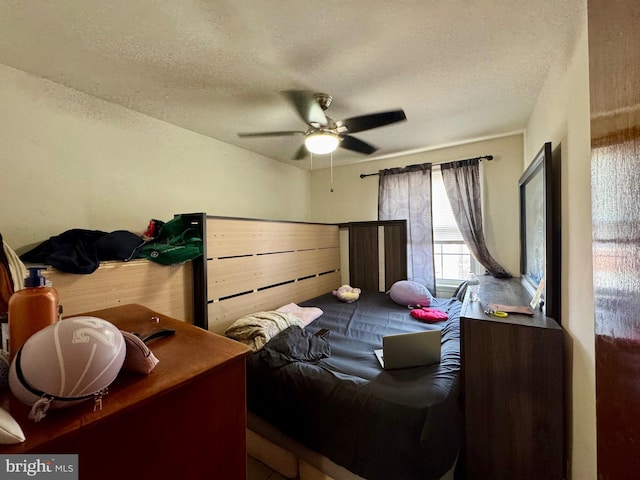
<point>539,225</point>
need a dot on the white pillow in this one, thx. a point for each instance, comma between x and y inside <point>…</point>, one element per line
<point>406,292</point>
<point>306,314</point>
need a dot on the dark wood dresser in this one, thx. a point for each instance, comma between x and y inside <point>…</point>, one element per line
<point>186,419</point>
<point>512,374</point>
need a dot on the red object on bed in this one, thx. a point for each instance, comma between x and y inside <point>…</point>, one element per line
<point>429,314</point>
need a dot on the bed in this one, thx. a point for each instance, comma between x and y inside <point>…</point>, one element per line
<point>342,417</point>
<point>379,424</point>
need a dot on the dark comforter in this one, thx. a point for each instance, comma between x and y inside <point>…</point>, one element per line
<point>399,424</point>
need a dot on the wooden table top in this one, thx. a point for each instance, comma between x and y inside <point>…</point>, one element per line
<point>190,352</point>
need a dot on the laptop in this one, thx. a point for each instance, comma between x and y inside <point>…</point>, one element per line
<point>409,349</point>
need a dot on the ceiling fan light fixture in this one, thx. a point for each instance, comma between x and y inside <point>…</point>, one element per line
<point>321,142</point>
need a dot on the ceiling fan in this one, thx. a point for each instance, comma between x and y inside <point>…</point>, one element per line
<point>324,134</point>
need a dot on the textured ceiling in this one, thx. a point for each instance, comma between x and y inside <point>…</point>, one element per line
<point>461,69</point>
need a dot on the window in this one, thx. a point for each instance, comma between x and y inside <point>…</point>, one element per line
<point>452,259</point>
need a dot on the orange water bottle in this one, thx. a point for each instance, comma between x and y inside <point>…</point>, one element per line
<point>33,308</point>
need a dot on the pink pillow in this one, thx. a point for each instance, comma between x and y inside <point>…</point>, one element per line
<point>306,314</point>
<point>429,314</point>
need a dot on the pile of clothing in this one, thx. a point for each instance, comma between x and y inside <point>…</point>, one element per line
<point>81,251</point>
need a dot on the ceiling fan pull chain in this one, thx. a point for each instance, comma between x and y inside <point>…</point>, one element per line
<point>331,171</point>
<point>311,153</point>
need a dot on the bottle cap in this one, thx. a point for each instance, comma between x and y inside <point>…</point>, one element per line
<point>35,279</point>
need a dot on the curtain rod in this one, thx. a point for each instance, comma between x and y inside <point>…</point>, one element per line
<point>487,157</point>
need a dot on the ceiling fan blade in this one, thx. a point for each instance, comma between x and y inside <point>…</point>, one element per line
<point>374,120</point>
<point>301,153</point>
<point>271,134</point>
<point>307,106</point>
<point>352,143</point>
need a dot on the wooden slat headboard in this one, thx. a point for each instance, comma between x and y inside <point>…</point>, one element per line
<point>377,253</point>
<point>248,266</point>
<point>256,265</point>
<point>168,290</point>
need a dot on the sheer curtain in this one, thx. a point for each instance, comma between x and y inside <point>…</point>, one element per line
<point>405,194</point>
<point>462,183</point>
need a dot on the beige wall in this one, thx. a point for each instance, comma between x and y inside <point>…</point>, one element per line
<point>561,115</point>
<point>355,199</point>
<point>68,160</point>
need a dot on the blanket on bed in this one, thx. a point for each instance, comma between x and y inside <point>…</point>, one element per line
<point>256,329</point>
<point>294,345</point>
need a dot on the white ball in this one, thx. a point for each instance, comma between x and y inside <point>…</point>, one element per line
<point>68,361</point>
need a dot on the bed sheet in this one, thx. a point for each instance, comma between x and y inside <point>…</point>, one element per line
<point>379,424</point>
